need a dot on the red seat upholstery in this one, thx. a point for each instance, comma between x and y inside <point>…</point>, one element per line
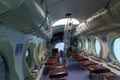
<point>58,73</point>
<point>87,63</point>
<point>80,58</point>
<point>50,61</point>
<point>56,66</point>
<point>97,69</point>
<point>113,77</point>
<point>73,54</point>
<point>52,57</point>
<point>56,55</point>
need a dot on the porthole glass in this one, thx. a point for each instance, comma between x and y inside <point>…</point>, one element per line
<point>116,48</point>
<point>86,45</point>
<point>27,56</point>
<point>3,73</point>
<point>79,45</point>
<point>97,47</point>
<point>60,46</point>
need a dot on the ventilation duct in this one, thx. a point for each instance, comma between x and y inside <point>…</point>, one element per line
<point>82,28</point>
<point>45,32</point>
<point>106,18</point>
<point>24,15</point>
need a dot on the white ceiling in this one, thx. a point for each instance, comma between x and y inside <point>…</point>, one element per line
<point>80,9</point>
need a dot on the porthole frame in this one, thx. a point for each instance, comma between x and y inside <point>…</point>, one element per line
<point>27,70</point>
<point>37,53</point>
<point>111,37</point>
<point>6,50</point>
<point>93,47</point>
<point>6,66</point>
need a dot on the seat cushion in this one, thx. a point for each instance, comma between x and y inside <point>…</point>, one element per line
<point>80,58</point>
<point>56,55</point>
<point>97,69</point>
<point>113,77</point>
<point>87,63</point>
<point>56,66</point>
<point>50,61</point>
<point>58,73</point>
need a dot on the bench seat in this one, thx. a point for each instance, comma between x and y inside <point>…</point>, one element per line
<point>112,77</point>
<point>56,66</point>
<point>51,61</point>
<point>58,73</point>
<point>97,69</point>
<point>87,63</point>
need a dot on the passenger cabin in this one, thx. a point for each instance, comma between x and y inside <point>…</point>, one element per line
<point>59,39</point>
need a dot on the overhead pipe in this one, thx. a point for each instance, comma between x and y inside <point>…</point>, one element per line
<point>83,27</point>
<point>27,16</point>
<point>104,19</point>
<point>45,33</point>
<point>8,6</point>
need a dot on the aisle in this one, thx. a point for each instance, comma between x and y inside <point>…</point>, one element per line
<point>74,71</point>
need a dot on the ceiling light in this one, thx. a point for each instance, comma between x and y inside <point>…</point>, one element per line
<point>64,22</point>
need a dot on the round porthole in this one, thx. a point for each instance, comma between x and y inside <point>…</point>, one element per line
<point>116,48</point>
<point>27,57</point>
<point>3,71</point>
<point>86,45</point>
<point>59,46</point>
<point>97,47</point>
<point>113,46</point>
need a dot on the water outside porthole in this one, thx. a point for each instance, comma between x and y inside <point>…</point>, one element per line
<point>27,56</point>
<point>86,45</point>
<point>116,48</point>
<point>97,47</point>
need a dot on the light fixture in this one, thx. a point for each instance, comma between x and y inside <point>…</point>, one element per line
<point>64,22</point>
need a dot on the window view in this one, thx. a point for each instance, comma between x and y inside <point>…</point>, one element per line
<point>2,69</point>
<point>60,46</point>
<point>116,48</point>
<point>86,45</point>
<point>27,55</point>
<point>97,47</point>
<point>79,45</point>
